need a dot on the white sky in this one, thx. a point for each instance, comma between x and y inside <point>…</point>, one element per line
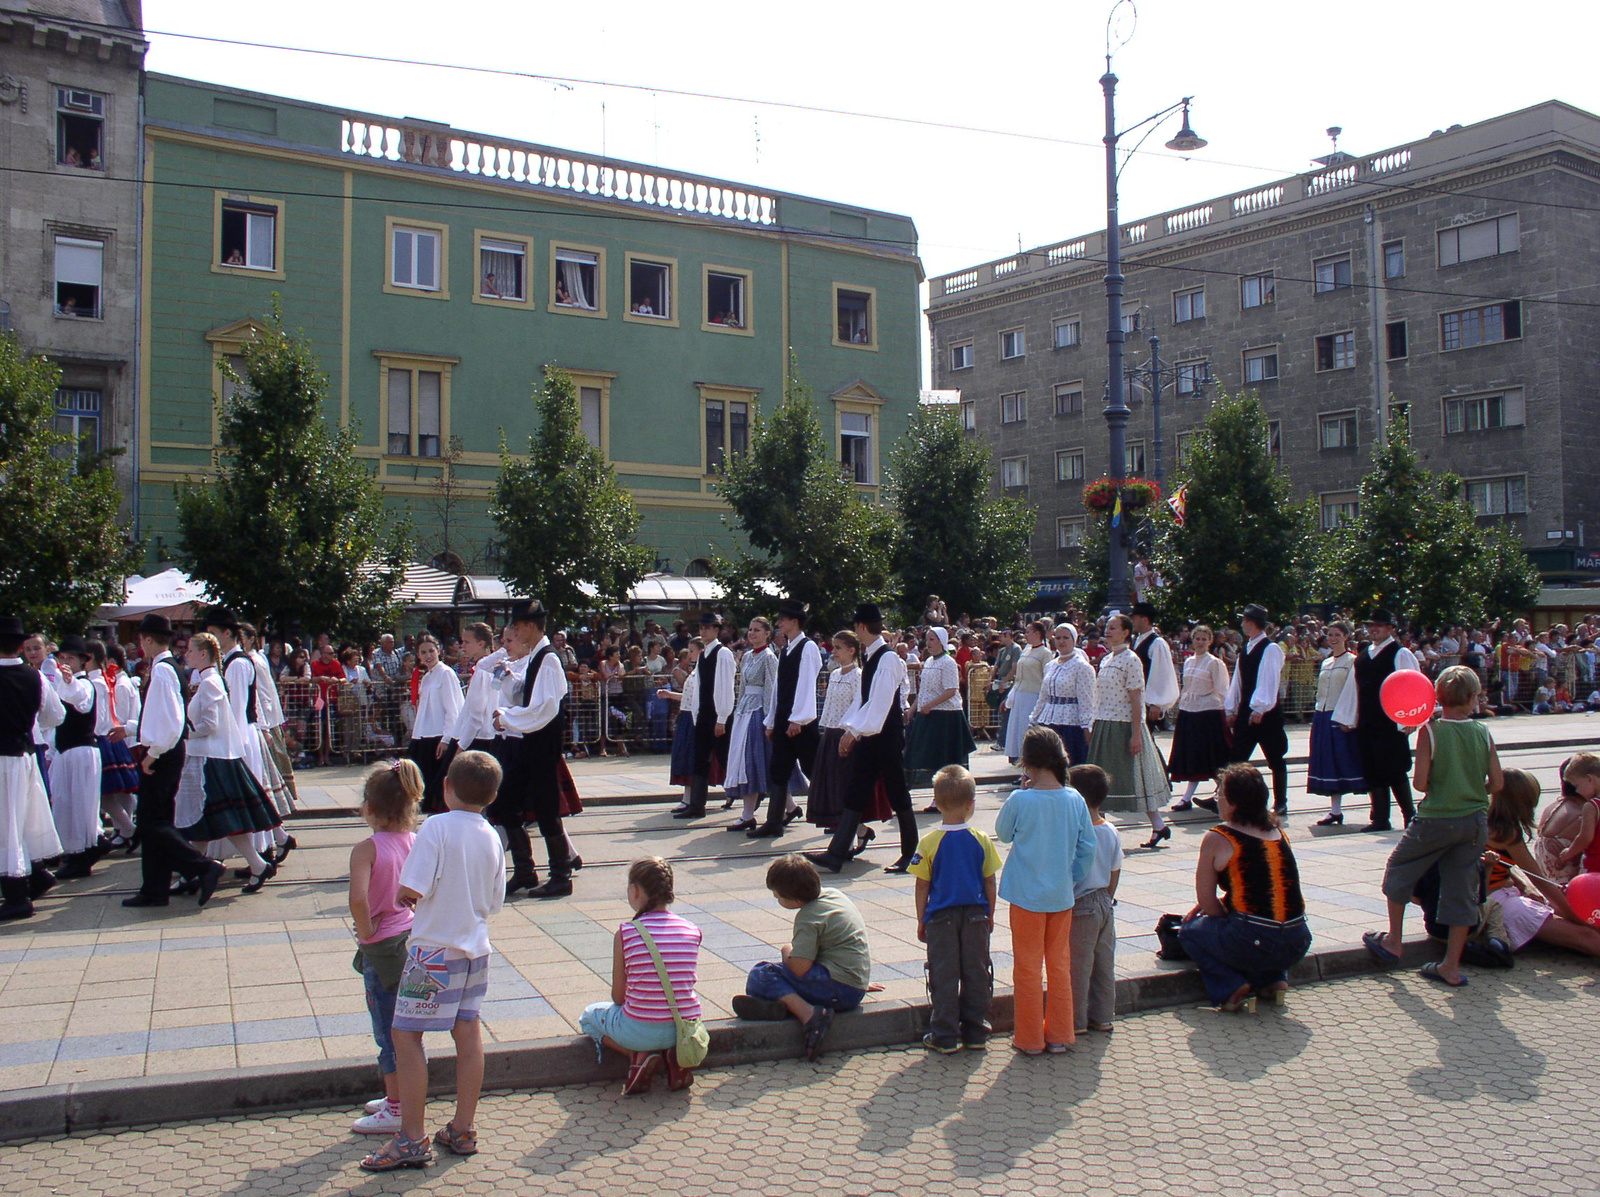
<point>1268,77</point>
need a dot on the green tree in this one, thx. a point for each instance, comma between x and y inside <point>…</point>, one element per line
<point>293,530</point>
<point>563,517</point>
<point>66,549</point>
<point>1243,539</point>
<point>954,540</point>
<point>1510,580</point>
<point>813,534</point>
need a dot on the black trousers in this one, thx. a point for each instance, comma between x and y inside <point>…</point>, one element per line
<point>707,744</point>
<point>531,785</point>
<point>162,850</point>
<point>874,759</point>
<point>1269,736</point>
<point>423,753</point>
<point>1386,764</point>
<point>787,752</point>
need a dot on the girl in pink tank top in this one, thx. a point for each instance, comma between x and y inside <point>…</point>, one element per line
<point>389,803</point>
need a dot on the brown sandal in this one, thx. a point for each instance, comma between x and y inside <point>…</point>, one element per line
<point>456,1142</point>
<point>642,1072</point>
<point>678,1077</point>
<point>398,1152</point>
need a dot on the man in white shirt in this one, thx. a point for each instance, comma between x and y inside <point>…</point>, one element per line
<point>1385,747</point>
<point>534,728</point>
<point>874,740</point>
<point>1254,707</point>
<point>713,710</point>
<point>792,721</point>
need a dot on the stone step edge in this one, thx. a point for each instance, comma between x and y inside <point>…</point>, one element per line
<point>88,1106</point>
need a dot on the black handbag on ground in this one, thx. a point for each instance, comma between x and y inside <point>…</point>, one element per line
<point>1167,933</point>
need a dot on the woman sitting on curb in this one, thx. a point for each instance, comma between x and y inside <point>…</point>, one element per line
<point>638,1020</point>
<point>1249,926</point>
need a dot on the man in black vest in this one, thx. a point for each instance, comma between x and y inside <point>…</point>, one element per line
<point>1253,692</point>
<point>1155,654</point>
<point>532,782</point>
<point>163,728</point>
<point>1385,746</point>
<point>874,740</point>
<point>713,709</point>
<point>27,830</point>
<point>792,722</point>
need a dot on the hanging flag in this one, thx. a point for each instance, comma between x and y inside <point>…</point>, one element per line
<point>1179,502</point>
<point>1116,511</point>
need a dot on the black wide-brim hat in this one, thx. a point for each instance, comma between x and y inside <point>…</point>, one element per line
<point>710,619</point>
<point>1382,615</point>
<point>527,611</point>
<point>74,644</point>
<point>867,613</point>
<point>1143,610</point>
<point>1255,613</point>
<point>220,617</point>
<point>155,624</point>
<point>793,609</point>
<point>11,628</point>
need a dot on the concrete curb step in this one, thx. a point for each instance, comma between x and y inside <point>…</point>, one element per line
<point>89,1106</point>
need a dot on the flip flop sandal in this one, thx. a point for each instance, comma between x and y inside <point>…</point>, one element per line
<point>456,1142</point>
<point>641,1073</point>
<point>399,1152</point>
<point>816,1029</point>
<point>1432,973</point>
<point>1374,944</point>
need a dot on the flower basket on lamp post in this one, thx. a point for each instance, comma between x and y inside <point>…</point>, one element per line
<point>1137,494</point>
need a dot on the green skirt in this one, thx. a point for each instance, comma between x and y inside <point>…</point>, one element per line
<point>935,740</point>
<point>1141,778</point>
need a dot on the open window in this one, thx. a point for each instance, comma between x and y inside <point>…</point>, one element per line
<point>577,281</point>
<point>78,416</point>
<point>650,289</point>
<point>855,446</point>
<point>80,128</point>
<point>854,323</point>
<point>727,300</point>
<point>80,266</point>
<point>248,236</point>
<point>502,270</point>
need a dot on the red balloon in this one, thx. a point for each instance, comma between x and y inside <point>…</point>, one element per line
<point>1407,697</point>
<point>1583,894</point>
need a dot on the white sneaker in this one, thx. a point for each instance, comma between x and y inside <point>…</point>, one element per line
<point>384,1122</point>
<point>376,1104</point>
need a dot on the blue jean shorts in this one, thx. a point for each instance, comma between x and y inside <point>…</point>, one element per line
<point>607,1020</point>
<point>436,992</point>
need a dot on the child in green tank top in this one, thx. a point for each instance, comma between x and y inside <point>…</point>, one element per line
<point>1458,768</point>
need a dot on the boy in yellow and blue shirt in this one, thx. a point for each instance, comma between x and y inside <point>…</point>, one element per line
<point>955,867</point>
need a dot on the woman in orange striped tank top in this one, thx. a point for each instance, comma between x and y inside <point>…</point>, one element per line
<point>1248,926</point>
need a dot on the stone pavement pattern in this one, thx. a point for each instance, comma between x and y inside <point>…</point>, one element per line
<point>96,992</point>
<point>1372,1087</point>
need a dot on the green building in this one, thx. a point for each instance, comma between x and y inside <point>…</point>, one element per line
<point>437,273</point>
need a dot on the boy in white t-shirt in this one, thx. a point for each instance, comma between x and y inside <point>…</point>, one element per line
<point>454,879</point>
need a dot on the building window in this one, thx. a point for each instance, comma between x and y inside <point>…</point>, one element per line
<point>650,290</point>
<point>1189,305</point>
<point>1014,407</point>
<point>1332,274</point>
<point>961,356</point>
<point>415,259</point>
<point>853,320</point>
<point>1130,321</point>
<point>80,267</point>
<point>578,279</point>
<point>727,431</point>
<point>1481,326</point>
<point>1013,472</point>
<point>78,416</point>
<point>1191,377</point>
<point>1275,440</point>
<point>1336,351</point>
<point>591,409</point>
<point>1337,430</point>
<point>1069,465</point>
<point>1476,413</point>
<point>1013,343</point>
<point>249,236</point>
<point>1339,510</point>
<point>1261,365</point>
<point>1069,532</point>
<point>1135,462</point>
<point>1394,259</point>
<point>969,416</point>
<point>502,270</point>
<point>1481,239</point>
<point>1185,445</point>
<point>1394,335</point>
<point>80,128</point>
<point>1066,332</point>
<point>1069,398</point>
<point>1257,290</point>
<point>727,298</point>
<point>855,446</point>
<point>1498,496</point>
<point>416,412</point>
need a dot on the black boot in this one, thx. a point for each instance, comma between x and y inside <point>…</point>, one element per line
<point>17,904</point>
<point>841,846</point>
<point>41,882</point>
<point>777,802</point>
<point>75,865</point>
<point>695,808</point>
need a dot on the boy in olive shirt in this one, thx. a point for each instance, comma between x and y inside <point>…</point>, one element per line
<point>826,967</point>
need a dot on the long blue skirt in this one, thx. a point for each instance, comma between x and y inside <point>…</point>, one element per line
<point>683,749</point>
<point>1335,759</point>
<point>118,773</point>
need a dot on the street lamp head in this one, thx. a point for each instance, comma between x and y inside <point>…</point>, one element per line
<point>1187,140</point>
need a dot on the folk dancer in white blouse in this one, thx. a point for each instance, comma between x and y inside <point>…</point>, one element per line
<point>1066,695</point>
<point>75,770</point>
<point>1254,706</point>
<point>116,713</point>
<point>439,703</point>
<point>682,759</point>
<point>1200,748</point>
<point>1121,743</point>
<point>939,734</point>
<point>270,711</point>
<point>1335,755</point>
<point>28,700</point>
<point>239,679</point>
<point>1024,693</point>
<point>748,748</point>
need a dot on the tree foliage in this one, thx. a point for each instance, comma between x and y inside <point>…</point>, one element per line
<point>811,531</point>
<point>1243,539</point>
<point>563,517</point>
<point>953,539</point>
<point>293,530</point>
<point>66,549</point>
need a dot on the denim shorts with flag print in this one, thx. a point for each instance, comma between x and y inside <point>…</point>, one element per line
<point>438,989</point>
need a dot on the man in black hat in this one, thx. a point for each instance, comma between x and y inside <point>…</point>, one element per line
<point>27,831</point>
<point>163,730</point>
<point>1384,744</point>
<point>1155,654</point>
<point>1254,708</point>
<point>713,709</point>
<point>874,740</point>
<point>792,721</point>
<point>534,730</point>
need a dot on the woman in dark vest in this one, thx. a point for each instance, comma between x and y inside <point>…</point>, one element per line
<point>27,832</point>
<point>1385,747</point>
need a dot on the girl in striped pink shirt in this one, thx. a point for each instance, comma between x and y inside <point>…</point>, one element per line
<point>638,1018</point>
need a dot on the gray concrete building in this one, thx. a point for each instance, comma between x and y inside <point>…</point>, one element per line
<point>69,249</point>
<point>1457,276</point>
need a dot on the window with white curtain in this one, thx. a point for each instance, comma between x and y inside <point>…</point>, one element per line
<point>589,405</point>
<point>577,279</point>
<point>416,258</point>
<point>855,445</point>
<point>249,236</point>
<point>79,271</point>
<point>502,270</point>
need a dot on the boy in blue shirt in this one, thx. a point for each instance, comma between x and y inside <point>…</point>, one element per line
<point>955,867</point>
